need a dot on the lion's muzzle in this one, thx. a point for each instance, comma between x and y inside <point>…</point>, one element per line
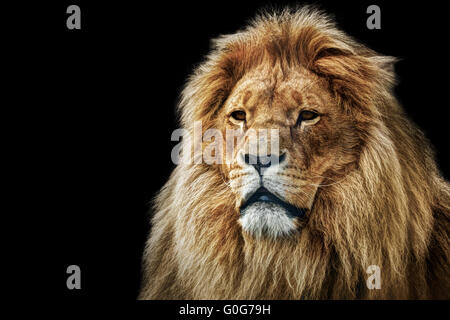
<point>264,211</point>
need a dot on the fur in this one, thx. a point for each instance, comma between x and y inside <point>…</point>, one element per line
<point>392,209</point>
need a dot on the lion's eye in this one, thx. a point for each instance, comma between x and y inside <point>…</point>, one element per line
<point>307,115</point>
<point>238,115</point>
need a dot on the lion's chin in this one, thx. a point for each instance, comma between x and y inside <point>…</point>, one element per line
<point>267,219</point>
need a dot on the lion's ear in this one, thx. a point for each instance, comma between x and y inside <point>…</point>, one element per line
<point>386,70</point>
<point>385,63</point>
<point>357,79</point>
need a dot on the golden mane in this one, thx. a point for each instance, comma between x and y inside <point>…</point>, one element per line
<point>392,209</point>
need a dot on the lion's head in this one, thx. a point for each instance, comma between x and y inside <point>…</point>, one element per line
<point>350,182</point>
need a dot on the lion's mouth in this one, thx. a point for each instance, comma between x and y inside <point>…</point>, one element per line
<point>264,195</point>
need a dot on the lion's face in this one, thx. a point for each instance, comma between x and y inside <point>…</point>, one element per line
<point>275,187</point>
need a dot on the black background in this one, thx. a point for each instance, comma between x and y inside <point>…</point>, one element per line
<point>105,102</point>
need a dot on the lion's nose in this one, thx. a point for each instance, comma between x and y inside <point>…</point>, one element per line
<point>262,162</point>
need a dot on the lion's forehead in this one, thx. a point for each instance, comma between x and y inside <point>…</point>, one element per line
<point>256,91</point>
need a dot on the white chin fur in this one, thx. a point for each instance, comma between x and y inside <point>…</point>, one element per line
<point>266,219</point>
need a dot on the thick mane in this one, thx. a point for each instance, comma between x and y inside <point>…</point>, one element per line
<point>391,210</point>
<point>303,37</point>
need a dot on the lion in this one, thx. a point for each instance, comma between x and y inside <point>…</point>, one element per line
<point>353,184</point>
